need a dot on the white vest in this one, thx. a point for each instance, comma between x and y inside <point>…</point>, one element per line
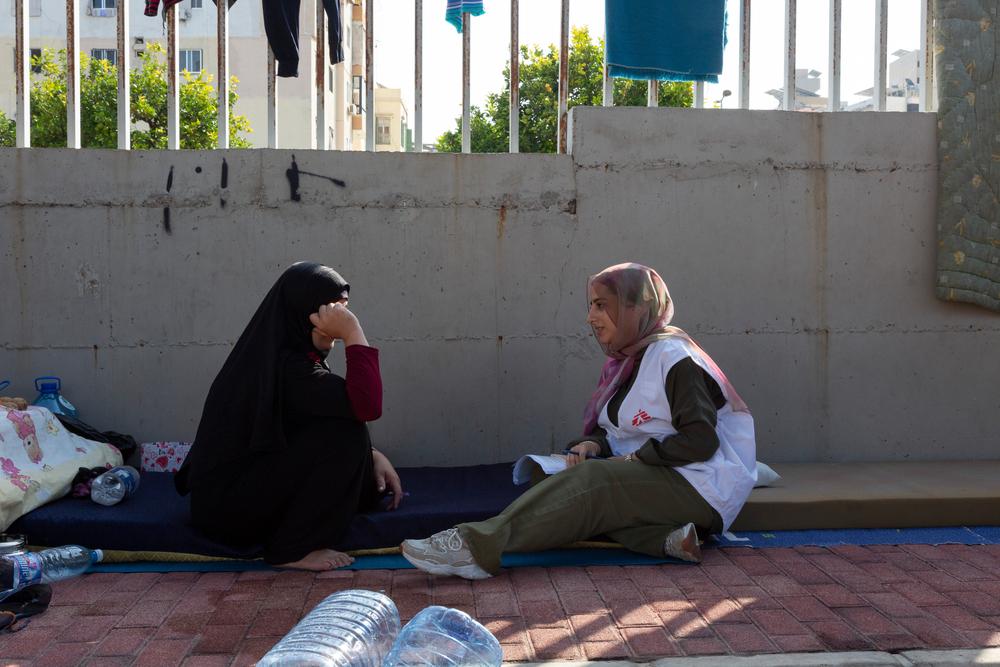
<point>726,479</point>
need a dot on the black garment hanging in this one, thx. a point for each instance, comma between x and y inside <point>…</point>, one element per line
<point>281,23</point>
<point>244,410</point>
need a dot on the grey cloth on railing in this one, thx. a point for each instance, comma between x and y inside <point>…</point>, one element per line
<point>966,67</point>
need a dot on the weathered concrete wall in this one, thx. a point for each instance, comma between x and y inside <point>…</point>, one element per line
<point>798,248</point>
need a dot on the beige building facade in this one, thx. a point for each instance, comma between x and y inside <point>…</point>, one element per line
<point>344,108</point>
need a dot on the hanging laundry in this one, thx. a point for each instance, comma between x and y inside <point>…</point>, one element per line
<point>453,14</point>
<point>666,40</point>
<point>152,6</point>
<point>281,23</point>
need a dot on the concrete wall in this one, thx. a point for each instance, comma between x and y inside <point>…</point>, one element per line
<point>799,249</point>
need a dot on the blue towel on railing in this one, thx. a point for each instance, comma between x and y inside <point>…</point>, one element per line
<point>667,40</point>
<point>453,14</point>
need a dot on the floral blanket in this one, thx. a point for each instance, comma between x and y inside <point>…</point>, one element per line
<point>39,458</point>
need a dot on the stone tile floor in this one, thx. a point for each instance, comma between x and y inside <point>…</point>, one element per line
<point>739,601</point>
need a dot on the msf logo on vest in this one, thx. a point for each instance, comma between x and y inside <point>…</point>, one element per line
<point>641,418</point>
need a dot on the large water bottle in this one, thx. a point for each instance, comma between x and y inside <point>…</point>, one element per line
<point>49,397</point>
<point>353,628</point>
<point>443,637</point>
<point>115,485</point>
<point>21,570</point>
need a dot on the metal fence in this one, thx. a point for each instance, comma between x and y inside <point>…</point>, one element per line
<point>22,64</point>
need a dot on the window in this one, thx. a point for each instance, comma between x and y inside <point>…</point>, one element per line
<point>103,7</point>
<point>190,60</point>
<point>33,53</point>
<point>111,55</point>
<point>195,4</point>
<point>383,135</point>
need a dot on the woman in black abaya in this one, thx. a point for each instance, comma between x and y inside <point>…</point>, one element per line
<point>282,454</point>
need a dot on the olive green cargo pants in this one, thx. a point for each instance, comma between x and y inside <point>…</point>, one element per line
<point>635,504</point>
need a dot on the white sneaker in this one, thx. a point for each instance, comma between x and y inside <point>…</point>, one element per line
<point>443,553</point>
<point>682,544</point>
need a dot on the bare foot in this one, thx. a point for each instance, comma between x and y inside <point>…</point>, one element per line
<point>320,560</point>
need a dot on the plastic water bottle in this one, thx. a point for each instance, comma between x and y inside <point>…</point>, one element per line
<point>115,485</point>
<point>441,637</point>
<point>21,570</point>
<point>353,628</point>
<point>49,397</point>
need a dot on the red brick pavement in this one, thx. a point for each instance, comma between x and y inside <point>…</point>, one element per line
<point>739,601</point>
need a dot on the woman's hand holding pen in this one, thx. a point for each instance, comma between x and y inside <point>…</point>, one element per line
<point>582,451</point>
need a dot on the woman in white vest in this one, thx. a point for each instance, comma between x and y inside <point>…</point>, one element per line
<point>672,445</point>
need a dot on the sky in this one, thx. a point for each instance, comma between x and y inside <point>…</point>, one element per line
<point>539,24</point>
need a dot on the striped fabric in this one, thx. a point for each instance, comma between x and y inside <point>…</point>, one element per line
<point>453,14</point>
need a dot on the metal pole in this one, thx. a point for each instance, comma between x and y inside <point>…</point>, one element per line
<point>608,98</point>
<point>370,75</point>
<point>835,25</point>
<point>72,75</point>
<point>173,90</point>
<point>124,77</point>
<point>515,79</point>
<point>222,76</point>
<point>881,47</point>
<point>321,139</point>
<point>22,65</point>
<point>788,104</point>
<point>466,77</point>
<point>652,93</point>
<point>272,101</point>
<point>745,54</point>
<point>927,58</point>
<point>563,79</point>
<point>699,94</point>
<point>418,76</point>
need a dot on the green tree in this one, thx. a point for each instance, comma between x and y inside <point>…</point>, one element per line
<point>539,98</point>
<point>99,105</point>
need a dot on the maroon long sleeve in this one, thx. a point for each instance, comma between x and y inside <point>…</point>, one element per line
<point>364,382</point>
<point>312,389</point>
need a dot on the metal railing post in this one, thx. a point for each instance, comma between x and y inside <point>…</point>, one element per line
<point>124,58</point>
<point>788,103</point>
<point>22,75</point>
<point>72,75</point>
<point>222,74</point>
<point>173,87</point>
<point>514,141</point>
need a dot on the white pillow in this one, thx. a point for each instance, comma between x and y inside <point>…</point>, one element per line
<point>765,475</point>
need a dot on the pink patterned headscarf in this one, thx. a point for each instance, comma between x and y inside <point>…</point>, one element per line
<point>645,310</point>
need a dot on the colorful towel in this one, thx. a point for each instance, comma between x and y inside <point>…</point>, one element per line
<point>453,14</point>
<point>666,40</point>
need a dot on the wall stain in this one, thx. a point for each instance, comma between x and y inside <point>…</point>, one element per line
<point>166,219</point>
<point>502,222</point>
<point>293,173</point>
<point>170,178</point>
<point>225,181</point>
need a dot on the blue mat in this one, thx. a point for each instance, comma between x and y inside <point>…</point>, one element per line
<point>157,519</point>
<point>553,558</point>
<point>861,536</point>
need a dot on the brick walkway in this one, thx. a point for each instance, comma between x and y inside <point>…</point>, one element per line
<point>740,601</point>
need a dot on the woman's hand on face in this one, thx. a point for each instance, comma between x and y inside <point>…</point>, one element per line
<point>337,322</point>
<point>578,453</point>
<point>387,478</point>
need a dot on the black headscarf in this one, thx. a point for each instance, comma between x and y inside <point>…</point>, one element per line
<point>243,410</point>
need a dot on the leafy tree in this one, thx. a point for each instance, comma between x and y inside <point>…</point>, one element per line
<point>99,105</point>
<point>539,98</point>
